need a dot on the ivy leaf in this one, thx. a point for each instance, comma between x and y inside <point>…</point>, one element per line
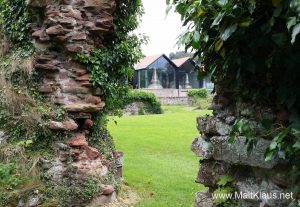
<point>296,31</point>
<point>297,145</point>
<point>224,179</point>
<point>222,2</point>
<point>276,3</point>
<point>252,6</point>
<point>291,22</point>
<point>228,32</point>
<point>269,155</point>
<point>279,38</point>
<point>273,145</point>
<point>218,19</point>
<point>218,45</point>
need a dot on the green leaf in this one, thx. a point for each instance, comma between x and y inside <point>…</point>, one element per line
<point>222,2</point>
<point>273,145</point>
<point>269,155</point>
<point>196,36</point>
<point>291,22</point>
<point>296,30</point>
<point>228,32</point>
<point>218,19</point>
<point>297,145</point>
<point>224,179</point>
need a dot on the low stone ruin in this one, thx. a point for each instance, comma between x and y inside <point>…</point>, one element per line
<point>248,169</point>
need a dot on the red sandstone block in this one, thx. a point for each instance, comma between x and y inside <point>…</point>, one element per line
<point>78,141</point>
<point>91,152</point>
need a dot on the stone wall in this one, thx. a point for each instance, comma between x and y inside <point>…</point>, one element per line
<point>62,29</point>
<point>171,96</point>
<point>249,171</point>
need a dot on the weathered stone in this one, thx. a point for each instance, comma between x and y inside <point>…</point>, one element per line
<point>203,199</point>
<point>75,90</point>
<point>62,146</point>
<point>94,3</point>
<point>88,123</point>
<point>80,107</point>
<point>107,189</point>
<point>3,138</point>
<point>93,100</point>
<point>250,185</point>
<point>80,72</point>
<point>213,126</point>
<point>237,152</point>
<point>98,30</point>
<point>134,108</point>
<point>38,3</point>
<point>103,199</point>
<point>91,152</point>
<point>78,141</point>
<point>78,36</point>
<point>38,33</point>
<point>67,21</point>
<point>230,120</point>
<point>49,67</point>
<point>74,48</point>
<point>87,84</point>
<point>56,171</point>
<point>85,77</point>
<point>67,125</point>
<point>202,148</point>
<point>105,20</point>
<point>45,89</point>
<point>55,30</point>
<point>34,200</point>
<point>76,14</point>
<point>210,171</point>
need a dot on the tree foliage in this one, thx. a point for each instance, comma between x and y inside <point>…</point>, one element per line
<point>112,68</point>
<point>251,48</point>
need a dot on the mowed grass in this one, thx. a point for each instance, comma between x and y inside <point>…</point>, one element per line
<point>159,164</point>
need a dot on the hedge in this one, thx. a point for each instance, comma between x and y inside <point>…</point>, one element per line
<point>198,93</point>
<point>152,104</point>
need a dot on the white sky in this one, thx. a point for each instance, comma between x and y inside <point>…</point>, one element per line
<point>162,30</point>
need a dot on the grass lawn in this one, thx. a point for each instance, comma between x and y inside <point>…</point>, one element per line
<point>159,164</point>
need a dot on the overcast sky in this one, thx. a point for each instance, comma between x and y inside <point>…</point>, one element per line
<point>161,29</point>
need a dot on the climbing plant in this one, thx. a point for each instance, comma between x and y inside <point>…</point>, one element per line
<point>251,48</point>
<point>14,19</point>
<point>112,68</point>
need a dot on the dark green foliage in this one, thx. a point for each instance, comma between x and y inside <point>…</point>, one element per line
<point>200,98</point>
<point>198,93</point>
<point>153,105</point>
<point>14,19</point>
<point>251,48</point>
<point>8,176</point>
<point>69,193</point>
<point>112,68</point>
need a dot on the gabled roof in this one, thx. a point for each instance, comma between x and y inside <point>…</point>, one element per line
<point>180,61</point>
<point>146,61</point>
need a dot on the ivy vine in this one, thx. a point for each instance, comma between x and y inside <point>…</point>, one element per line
<point>251,48</point>
<point>14,18</point>
<point>111,68</point>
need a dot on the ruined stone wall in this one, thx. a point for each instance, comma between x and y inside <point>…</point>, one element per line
<point>249,171</point>
<point>62,29</point>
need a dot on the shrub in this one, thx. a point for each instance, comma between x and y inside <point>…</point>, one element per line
<point>200,98</point>
<point>198,93</point>
<point>152,104</point>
